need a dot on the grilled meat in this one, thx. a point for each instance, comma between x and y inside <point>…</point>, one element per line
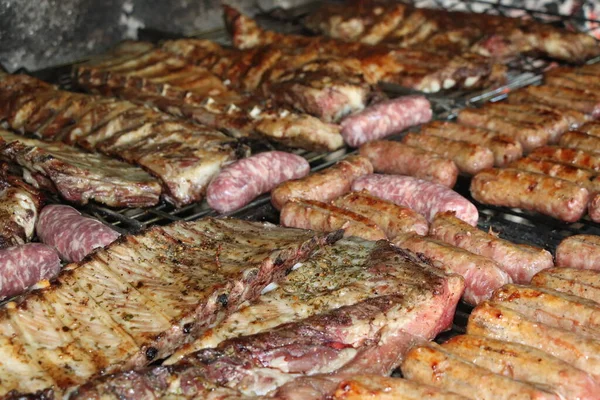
<point>502,323</point>
<point>428,71</point>
<point>581,141</point>
<point>538,101</point>
<point>183,155</point>
<point>432,364</point>
<point>525,364</point>
<point>395,158</point>
<point>578,282</point>
<point>574,157</point>
<point>579,251</point>
<point>520,261</point>
<point>393,219</point>
<point>324,185</point>
<point>318,216</point>
<point>77,176</point>
<point>171,84</point>
<point>143,296</point>
<point>426,198</point>
<point>20,204</point>
<point>370,336</point>
<point>499,37</point>
<point>510,187</point>
<point>482,275</point>
<point>505,148</point>
<point>469,158</point>
<point>559,97</point>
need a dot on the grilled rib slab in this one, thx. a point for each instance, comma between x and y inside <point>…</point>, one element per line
<point>142,297</point>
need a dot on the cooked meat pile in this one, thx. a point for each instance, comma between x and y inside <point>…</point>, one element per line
<point>448,32</point>
<point>184,156</point>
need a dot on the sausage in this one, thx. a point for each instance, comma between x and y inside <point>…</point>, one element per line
<point>431,364</point>
<point>579,251</point>
<point>23,266</point>
<point>385,118</point>
<point>594,208</point>
<point>511,187</point>
<point>581,141</point>
<point>584,283</point>
<point>392,218</point>
<point>574,157</point>
<point>399,159</point>
<point>525,364</point>
<point>501,323</point>
<point>72,234</point>
<point>469,158</point>
<point>578,100</point>
<point>324,185</point>
<point>520,261</point>
<point>591,128</point>
<point>426,198</point>
<point>580,176</point>
<point>529,135</point>
<point>505,148</point>
<point>482,275</point>
<point>241,182</point>
<point>318,216</point>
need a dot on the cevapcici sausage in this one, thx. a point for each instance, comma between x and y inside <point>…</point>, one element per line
<point>510,187</point>
<point>577,158</point>
<point>324,185</point>
<point>520,261</point>
<point>578,100</point>
<point>72,234</point>
<point>318,216</point>
<point>579,251</point>
<point>392,218</point>
<point>529,135</point>
<point>581,141</point>
<point>241,182</point>
<point>594,208</point>
<point>469,158</point>
<point>23,266</point>
<point>426,198</point>
<point>578,282</point>
<point>482,275</point>
<point>580,176</point>
<point>385,118</point>
<point>400,159</point>
<point>505,148</point>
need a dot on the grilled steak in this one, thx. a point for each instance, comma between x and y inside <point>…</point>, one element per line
<point>434,365</point>
<point>20,204</point>
<point>428,71</point>
<point>502,323</point>
<point>370,336</point>
<point>525,364</point>
<point>582,283</point>
<point>77,176</point>
<point>553,308</point>
<point>142,297</point>
<point>171,84</point>
<point>579,251</point>
<point>505,148</point>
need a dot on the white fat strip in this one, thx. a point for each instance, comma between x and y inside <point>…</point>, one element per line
<point>272,286</point>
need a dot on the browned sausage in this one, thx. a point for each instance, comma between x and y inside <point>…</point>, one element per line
<point>577,158</point>
<point>580,176</point>
<point>324,185</point>
<point>579,251</point>
<point>581,141</point>
<point>399,159</point>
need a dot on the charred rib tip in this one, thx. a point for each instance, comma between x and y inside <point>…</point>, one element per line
<point>151,353</point>
<point>223,299</point>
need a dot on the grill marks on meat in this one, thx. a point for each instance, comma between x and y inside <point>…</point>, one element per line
<point>428,71</point>
<point>579,251</point>
<point>77,176</point>
<point>182,155</point>
<point>396,158</point>
<point>559,97</point>
<point>580,140</point>
<point>370,336</point>
<point>324,185</point>
<point>510,187</point>
<point>393,219</point>
<point>142,297</point>
<point>520,261</point>
<point>194,92</point>
<point>20,204</point>
<point>577,282</point>
<point>444,31</point>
